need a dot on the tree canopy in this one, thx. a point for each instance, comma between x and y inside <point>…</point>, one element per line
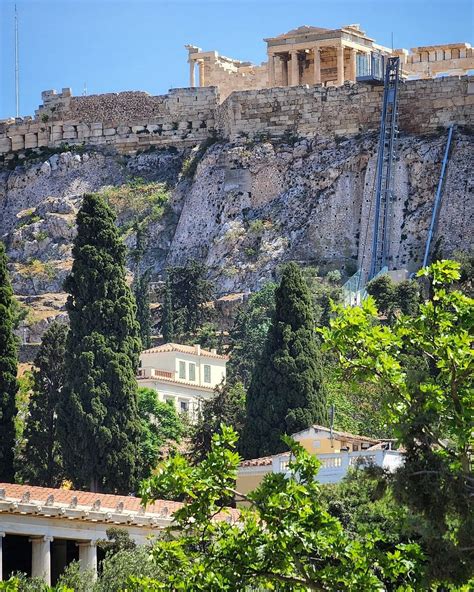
<point>284,540</point>
<point>185,296</point>
<point>160,425</point>
<point>98,420</point>
<point>42,457</point>
<point>8,371</point>
<point>249,333</point>
<point>425,364</point>
<point>227,407</point>
<point>286,393</point>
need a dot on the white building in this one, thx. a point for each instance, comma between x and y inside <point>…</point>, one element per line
<point>337,452</point>
<point>183,374</point>
<point>42,530</point>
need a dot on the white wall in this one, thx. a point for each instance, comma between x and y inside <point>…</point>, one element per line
<point>169,362</point>
<point>178,394</point>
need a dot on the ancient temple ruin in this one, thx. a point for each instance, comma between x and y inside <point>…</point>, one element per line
<point>314,55</point>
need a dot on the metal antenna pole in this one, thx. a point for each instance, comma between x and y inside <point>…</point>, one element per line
<point>17,68</point>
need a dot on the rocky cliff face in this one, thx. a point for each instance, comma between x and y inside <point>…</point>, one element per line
<point>248,208</point>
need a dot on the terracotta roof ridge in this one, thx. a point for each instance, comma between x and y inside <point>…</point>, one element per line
<point>184,348</point>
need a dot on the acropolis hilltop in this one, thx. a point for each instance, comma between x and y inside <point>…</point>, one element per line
<point>309,85</point>
<point>315,55</point>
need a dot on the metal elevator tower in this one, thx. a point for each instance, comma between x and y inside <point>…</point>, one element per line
<point>385,169</point>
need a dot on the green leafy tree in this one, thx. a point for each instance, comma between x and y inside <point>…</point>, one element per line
<point>207,336</point>
<point>118,539</point>
<point>286,393</point>
<point>98,416</point>
<point>249,333</point>
<point>42,458</point>
<point>8,372</point>
<point>391,298</point>
<point>227,407</point>
<point>160,425</point>
<point>187,293</point>
<point>430,405</point>
<point>324,291</point>
<point>284,540</point>
<point>364,503</point>
<point>142,298</point>
<point>359,404</point>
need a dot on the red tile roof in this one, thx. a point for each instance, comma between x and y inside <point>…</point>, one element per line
<point>85,498</point>
<point>29,494</point>
<point>342,435</point>
<point>184,349</point>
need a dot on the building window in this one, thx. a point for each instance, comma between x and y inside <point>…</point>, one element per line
<point>192,371</point>
<point>207,373</point>
<point>182,370</point>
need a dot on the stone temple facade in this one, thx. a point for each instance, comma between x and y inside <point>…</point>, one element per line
<point>314,55</point>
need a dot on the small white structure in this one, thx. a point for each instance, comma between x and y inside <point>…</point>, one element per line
<point>336,450</point>
<point>186,375</point>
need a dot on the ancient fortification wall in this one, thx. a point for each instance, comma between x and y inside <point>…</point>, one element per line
<point>424,105</point>
<point>128,121</point>
<point>132,121</point>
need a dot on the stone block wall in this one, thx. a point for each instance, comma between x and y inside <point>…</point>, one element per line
<point>424,106</point>
<point>128,121</point>
<point>133,121</point>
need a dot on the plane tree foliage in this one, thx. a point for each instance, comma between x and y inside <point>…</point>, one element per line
<point>425,366</point>
<point>284,539</point>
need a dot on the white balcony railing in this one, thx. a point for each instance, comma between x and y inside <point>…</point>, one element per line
<point>334,466</point>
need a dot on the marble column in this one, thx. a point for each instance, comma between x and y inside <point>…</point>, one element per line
<point>41,558</point>
<point>340,65</point>
<point>285,73</point>
<point>88,556</point>
<point>295,73</point>
<point>317,65</point>
<point>2,534</point>
<point>352,65</point>
<point>271,69</point>
<point>201,73</point>
<point>192,68</point>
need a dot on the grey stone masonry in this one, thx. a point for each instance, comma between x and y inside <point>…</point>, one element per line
<point>133,121</point>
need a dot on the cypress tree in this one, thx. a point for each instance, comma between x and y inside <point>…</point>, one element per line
<point>286,392</point>
<point>167,315</point>
<point>8,371</point>
<point>143,308</point>
<point>42,459</point>
<point>99,425</point>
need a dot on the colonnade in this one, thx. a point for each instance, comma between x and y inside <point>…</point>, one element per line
<point>41,556</point>
<point>283,67</point>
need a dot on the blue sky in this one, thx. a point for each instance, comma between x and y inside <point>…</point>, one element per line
<point>114,45</point>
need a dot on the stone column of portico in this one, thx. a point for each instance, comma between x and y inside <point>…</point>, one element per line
<point>192,67</point>
<point>352,65</point>
<point>271,69</point>
<point>41,558</point>
<point>88,556</point>
<point>317,65</point>
<point>340,65</point>
<point>2,534</point>
<point>201,73</point>
<point>294,72</point>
